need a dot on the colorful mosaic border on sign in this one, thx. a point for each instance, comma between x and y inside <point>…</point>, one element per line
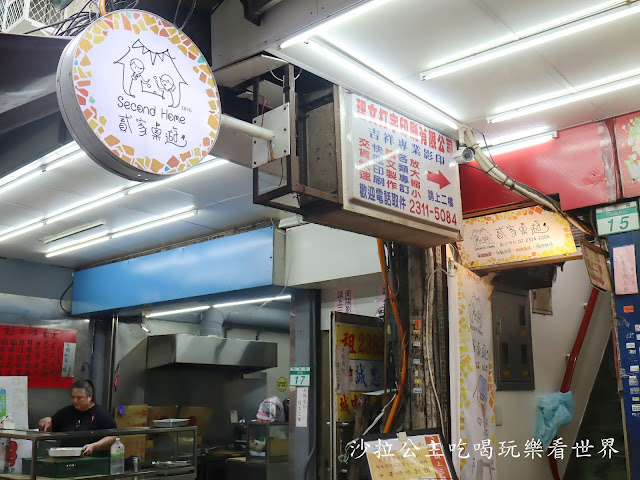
<point>515,236</point>
<point>138,21</point>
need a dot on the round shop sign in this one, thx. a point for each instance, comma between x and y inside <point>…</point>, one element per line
<point>138,96</point>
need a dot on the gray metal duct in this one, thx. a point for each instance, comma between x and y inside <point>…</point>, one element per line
<point>269,318</point>
<point>210,351</point>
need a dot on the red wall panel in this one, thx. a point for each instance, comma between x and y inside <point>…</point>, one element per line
<point>579,165</point>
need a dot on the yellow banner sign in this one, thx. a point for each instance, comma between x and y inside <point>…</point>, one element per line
<point>515,236</point>
<point>359,355</point>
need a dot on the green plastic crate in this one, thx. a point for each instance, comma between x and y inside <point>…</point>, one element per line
<point>68,467</point>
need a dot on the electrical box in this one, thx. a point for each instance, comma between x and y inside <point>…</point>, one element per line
<point>541,301</point>
<point>513,355</point>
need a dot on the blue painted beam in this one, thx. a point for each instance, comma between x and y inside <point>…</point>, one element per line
<point>229,263</point>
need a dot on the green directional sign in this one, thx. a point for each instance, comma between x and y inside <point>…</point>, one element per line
<point>617,218</point>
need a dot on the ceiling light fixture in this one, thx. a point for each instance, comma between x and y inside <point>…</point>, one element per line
<point>177,311</point>
<point>78,241</point>
<point>203,166</point>
<point>128,230</point>
<point>332,56</point>
<point>332,21</point>
<point>144,326</point>
<point>152,223</point>
<point>520,143</point>
<point>102,200</point>
<point>85,207</point>
<point>73,231</point>
<point>78,246</point>
<point>51,161</point>
<point>256,300</point>
<point>532,41</point>
<point>20,230</point>
<point>566,99</point>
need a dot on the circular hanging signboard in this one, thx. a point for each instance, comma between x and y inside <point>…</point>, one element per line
<point>138,96</point>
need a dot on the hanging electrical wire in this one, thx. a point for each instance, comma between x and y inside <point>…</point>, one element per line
<point>401,335</point>
<point>89,13</point>
<point>468,139</point>
<point>186,20</point>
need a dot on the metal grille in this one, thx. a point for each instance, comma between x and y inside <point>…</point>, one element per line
<point>12,12</point>
<point>43,12</point>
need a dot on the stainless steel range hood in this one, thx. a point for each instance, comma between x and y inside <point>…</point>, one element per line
<point>210,351</point>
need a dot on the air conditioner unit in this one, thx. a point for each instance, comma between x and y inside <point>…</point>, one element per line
<point>19,16</point>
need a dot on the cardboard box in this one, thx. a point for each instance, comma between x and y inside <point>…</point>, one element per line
<point>161,412</point>
<point>199,416</point>
<point>131,416</point>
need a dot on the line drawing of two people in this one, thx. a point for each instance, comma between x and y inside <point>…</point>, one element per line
<point>165,84</point>
<point>146,71</point>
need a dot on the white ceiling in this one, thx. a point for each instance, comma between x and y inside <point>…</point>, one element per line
<point>402,38</point>
<point>398,39</point>
<point>222,196</point>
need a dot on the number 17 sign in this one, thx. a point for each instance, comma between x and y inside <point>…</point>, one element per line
<point>617,218</point>
<point>300,376</point>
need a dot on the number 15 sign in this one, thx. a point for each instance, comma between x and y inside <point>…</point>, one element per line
<point>617,218</point>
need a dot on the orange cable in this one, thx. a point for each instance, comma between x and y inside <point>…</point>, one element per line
<point>103,7</point>
<point>394,306</point>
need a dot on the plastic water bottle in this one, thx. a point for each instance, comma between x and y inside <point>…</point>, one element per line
<point>117,457</point>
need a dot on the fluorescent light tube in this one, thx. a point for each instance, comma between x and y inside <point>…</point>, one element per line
<point>63,161</point>
<point>179,310</point>
<point>78,246</point>
<point>83,240</point>
<point>152,224</point>
<point>247,302</point>
<point>104,199</point>
<point>20,230</point>
<point>19,181</point>
<point>515,137</point>
<point>201,167</point>
<point>332,22</point>
<point>73,231</point>
<point>565,99</point>
<point>59,157</point>
<point>144,326</point>
<point>430,112</point>
<point>532,41</point>
<point>138,227</point>
<point>86,207</point>
<point>58,153</point>
<point>188,209</point>
<point>520,144</point>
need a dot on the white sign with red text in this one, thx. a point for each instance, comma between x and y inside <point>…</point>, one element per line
<point>400,166</point>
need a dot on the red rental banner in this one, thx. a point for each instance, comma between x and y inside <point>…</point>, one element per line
<point>44,355</point>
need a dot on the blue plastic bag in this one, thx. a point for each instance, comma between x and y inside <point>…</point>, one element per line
<point>554,410</point>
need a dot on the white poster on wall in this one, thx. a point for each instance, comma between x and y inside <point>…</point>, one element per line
<point>14,395</point>
<point>473,382</point>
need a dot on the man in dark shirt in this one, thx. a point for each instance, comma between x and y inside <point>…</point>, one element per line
<point>81,416</point>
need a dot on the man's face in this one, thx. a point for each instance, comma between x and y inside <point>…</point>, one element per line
<point>80,400</point>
